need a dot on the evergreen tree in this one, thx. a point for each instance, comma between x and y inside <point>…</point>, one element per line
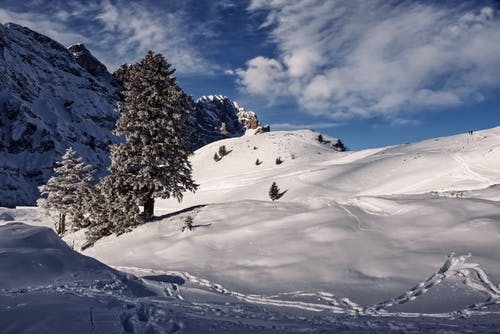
<point>71,176</point>
<point>109,209</point>
<point>274,192</point>
<point>156,121</point>
<point>222,151</point>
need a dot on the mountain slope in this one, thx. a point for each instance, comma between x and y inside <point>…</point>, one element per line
<point>48,102</point>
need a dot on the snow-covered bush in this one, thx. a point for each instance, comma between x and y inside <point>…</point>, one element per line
<point>274,192</point>
<point>340,145</point>
<point>188,224</point>
<point>222,151</point>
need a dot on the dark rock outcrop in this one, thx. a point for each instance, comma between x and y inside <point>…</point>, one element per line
<point>218,117</point>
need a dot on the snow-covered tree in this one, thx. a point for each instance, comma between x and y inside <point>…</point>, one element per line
<point>156,121</point>
<point>71,176</point>
<point>274,192</point>
<point>222,151</point>
<point>109,209</point>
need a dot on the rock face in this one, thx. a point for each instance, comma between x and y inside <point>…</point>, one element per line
<point>218,117</point>
<point>48,102</point>
<point>86,60</point>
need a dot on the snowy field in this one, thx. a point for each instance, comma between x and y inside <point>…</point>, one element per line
<point>404,238</point>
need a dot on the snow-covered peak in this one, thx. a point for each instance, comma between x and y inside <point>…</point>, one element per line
<point>217,99</point>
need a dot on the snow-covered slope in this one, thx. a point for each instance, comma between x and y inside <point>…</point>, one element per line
<point>48,102</point>
<point>48,288</point>
<point>376,233</point>
<point>364,225</point>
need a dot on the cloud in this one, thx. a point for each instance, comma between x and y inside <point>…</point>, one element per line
<point>135,29</point>
<point>45,25</point>
<point>290,126</point>
<point>118,32</point>
<point>357,58</point>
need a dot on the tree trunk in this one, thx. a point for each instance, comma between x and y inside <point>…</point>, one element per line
<point>61,228</point>
<point>149,207</point>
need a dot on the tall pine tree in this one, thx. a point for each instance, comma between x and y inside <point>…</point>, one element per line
<point>71,175</point>
<point>156,121</point>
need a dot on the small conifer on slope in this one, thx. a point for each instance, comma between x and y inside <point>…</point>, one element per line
<point>156,121</point>
<point>274,192</point>
<point>71,175</point>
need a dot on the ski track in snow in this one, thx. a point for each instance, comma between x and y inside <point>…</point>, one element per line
<point>466,170</point>
<point>470,274</point>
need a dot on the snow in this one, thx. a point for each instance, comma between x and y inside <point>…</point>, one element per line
<point>369,241</point>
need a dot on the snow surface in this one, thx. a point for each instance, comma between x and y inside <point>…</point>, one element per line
<point>370,241</point>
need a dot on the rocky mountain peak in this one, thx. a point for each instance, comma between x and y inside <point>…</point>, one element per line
<point>86,60</point>
<point>218,117</point>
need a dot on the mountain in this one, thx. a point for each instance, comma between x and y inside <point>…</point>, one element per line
<point>218,117</point>
<point>53,97</point>
<point>48,102</point>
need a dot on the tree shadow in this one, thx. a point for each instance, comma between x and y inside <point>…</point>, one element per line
<point>175,213</point>
<point>281,194</point>
<point>166,279</point>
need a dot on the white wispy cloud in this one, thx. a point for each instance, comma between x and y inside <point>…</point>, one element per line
<point>135,29</point>
<point>52,28</point>
<point>117,32</point>
<point>316,126</point>
<point>376,58</point>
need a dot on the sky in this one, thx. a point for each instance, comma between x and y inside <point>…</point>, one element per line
<point>371,72</point>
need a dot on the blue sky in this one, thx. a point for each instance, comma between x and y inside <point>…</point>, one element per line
<point>371,72</point>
